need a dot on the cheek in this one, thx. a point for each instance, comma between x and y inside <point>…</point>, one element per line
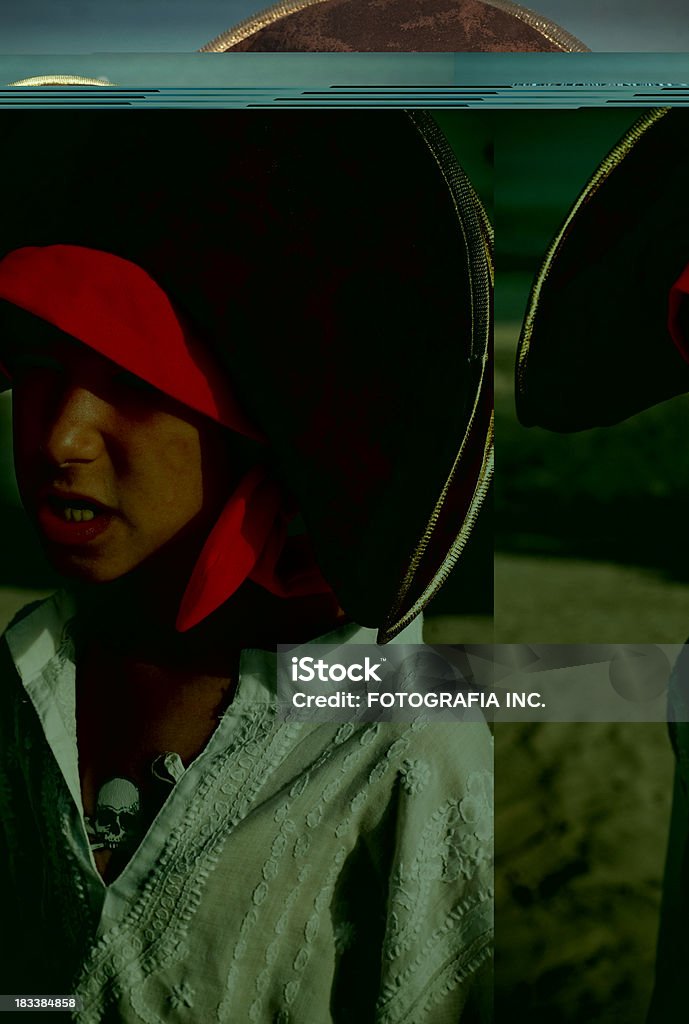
<point>167,474</point>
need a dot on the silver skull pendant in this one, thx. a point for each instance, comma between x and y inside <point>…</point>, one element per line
<point>118,813</point>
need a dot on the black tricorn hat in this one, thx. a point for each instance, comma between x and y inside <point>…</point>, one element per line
<point>595,346</point>
<point>430,26</point>
<point>340,266</point>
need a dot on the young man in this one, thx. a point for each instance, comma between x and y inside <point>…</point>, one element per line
<point>171,848</point>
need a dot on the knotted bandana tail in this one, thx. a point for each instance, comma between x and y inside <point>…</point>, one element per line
<point>249,541</point>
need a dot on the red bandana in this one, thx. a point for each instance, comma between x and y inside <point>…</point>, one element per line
<point>118,310</point>
<point>678,295</point>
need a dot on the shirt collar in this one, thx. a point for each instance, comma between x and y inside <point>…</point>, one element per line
<point>41,641</point>
<point>42,649</point>
<point>258,668</point>
<point>36,639</point>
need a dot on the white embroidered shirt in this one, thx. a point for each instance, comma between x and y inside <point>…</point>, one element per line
<point>298,873</point>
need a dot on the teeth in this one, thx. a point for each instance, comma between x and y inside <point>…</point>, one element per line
<point>78,515</point>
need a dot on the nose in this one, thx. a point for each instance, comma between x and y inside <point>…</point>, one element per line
<point>73,429</point>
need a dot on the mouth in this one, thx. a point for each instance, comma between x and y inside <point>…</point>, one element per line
<point>75,510</point>
<point>71,519</point>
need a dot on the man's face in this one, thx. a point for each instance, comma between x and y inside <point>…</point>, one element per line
<point>111,470</point>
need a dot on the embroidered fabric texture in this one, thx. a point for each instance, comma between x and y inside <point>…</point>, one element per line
<point>284,860</point>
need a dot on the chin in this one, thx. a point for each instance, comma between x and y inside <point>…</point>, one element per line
<point>85,570</point>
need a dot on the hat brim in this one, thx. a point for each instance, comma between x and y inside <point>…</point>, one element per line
<point>392,461</point>
<point>595,346</point>
<point>438,26</point>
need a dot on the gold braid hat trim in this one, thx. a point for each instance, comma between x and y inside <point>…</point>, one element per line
<point>59,80</point>
<point>599,177</point>
<point>560,37</point>
<point>479,248</point>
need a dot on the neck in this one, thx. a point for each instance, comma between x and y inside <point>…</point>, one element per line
<point>135,617</point>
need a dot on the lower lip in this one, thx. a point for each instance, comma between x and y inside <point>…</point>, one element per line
<point>57,530</point>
